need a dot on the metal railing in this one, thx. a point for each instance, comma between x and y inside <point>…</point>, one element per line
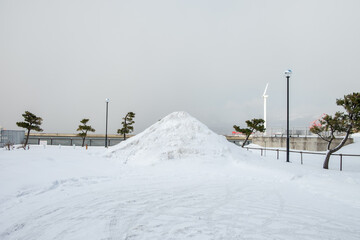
<point>73,140</point>
<point>341,155</point>
<point>295,131</point>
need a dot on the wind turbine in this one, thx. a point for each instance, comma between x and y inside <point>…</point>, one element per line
<point>265,96</point>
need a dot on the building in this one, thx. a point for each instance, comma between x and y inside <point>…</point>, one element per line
<point>11,137</point>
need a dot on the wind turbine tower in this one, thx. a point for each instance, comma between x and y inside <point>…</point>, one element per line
<point>264,97</point>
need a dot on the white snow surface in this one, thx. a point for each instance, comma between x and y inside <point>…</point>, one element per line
<point>177,136</point>
<point>206,190</point>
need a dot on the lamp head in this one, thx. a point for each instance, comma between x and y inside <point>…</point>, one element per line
<point>107,100</point>
<point>288,73</point>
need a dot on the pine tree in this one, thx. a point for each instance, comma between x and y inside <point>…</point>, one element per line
<point>84,130</point>
<point>31,122</point>
<point>253,125</point>
<point>127,124</point>
<point>346,122</point>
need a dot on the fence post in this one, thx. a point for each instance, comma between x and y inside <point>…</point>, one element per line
<point>301,158</point>
<point>277,154</point>
<point>261,151</point>
<point>265,149</point>
<point>340,162</point>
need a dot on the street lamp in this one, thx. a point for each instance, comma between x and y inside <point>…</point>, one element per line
<point>287,75</point>
<point>107,107</point>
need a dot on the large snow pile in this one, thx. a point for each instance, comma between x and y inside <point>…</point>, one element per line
<point>177,136</point>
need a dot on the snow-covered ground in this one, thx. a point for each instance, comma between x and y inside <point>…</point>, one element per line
<point>348,163</point>
<point>176,180</point>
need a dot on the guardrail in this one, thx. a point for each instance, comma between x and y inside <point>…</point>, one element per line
<point>341,155</point>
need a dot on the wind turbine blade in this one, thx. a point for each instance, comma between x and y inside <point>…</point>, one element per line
<point>266,89</point>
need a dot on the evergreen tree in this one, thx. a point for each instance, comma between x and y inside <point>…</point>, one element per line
<point>327,126</point>
<point>127,124</point>
<point>31,122</point>
<point>253,125</point>
<point>84,130</point>
<point>346,122</point>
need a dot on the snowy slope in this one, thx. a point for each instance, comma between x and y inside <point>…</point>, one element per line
<point>352,148</point>
<point>177,136</point>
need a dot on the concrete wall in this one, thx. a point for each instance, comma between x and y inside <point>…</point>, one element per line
<point>69,141</point>
<point>298,143</point>
<point>12,137</point>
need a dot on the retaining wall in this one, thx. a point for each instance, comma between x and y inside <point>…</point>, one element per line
<point>298,143</point>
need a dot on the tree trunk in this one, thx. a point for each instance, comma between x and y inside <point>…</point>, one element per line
<point>27,138</point>
<point>83,142</point>
<point>329,144</point>
<point>337,148</point>
<point>247,137</point>
<point>327,159</point>
<point>125,126</point>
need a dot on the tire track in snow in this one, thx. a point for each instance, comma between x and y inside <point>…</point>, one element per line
<point>144,207</point>
<point>66,199</point>
<point>222,209</point>
<point>200,217</point>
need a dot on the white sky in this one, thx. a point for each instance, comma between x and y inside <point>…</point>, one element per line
<point>61,59</point>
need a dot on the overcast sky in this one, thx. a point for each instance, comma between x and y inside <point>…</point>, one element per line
<point>61,59</point>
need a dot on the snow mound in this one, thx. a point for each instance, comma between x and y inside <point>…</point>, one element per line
<point>177,136</point>
<point>356,137</point>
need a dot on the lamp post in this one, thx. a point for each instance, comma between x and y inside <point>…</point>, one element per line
<point>287,75</point>
<point>107,107</point>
